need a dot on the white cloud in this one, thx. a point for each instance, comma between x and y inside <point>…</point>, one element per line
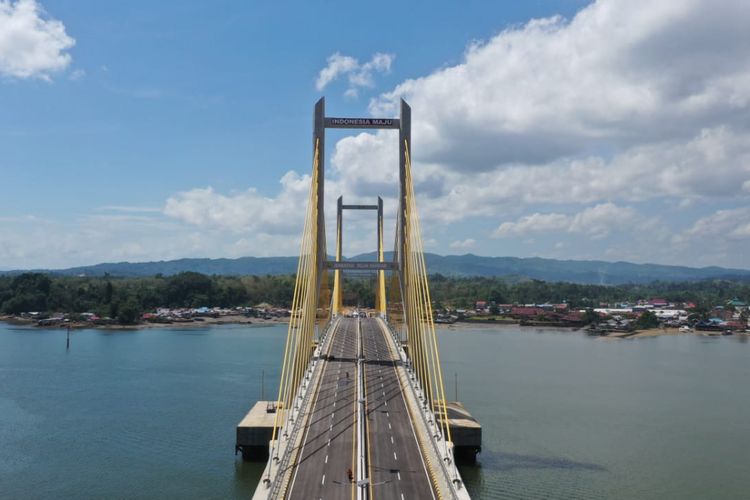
<point>534,223</point>
<point>338,65</point>
<point>730,223</point>
<point>720,237</point>
<point>597,222</point>
<point>580,128</point>
<point>629,101</point>
<point>31,44</point>
<point>29,242</point>
<point>358,75</point>
<point>77,74</point>
<point>621,72</point>
<point>463,244</point>
<point>244,211</point>
<point>129,209</point>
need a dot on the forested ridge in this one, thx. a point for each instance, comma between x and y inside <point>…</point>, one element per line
<point>551,270</point>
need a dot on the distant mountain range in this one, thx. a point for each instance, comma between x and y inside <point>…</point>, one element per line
<point>516,268</point>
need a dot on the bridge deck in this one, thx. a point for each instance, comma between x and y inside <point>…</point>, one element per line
<point>329,444</point>
<point>396,468</point>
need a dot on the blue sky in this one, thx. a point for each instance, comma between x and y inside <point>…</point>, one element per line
<point>156,130</point>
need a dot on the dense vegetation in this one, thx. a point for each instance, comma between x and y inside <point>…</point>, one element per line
<point>126,298</point>
<point>123,298</point>
<point>464,292</point>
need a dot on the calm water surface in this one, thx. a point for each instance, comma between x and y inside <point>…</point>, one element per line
<point>151,414</point>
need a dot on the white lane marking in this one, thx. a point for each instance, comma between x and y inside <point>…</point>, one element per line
<point>327,461</point>
<point>331,427</point>
<point>402,496</point>
<point>394,456</point>
<point>334,404</point>
<point>329,442</point>
<point>323,481</point>
<point>391,439</point>
<point>399,478</point>
<point>386,403</point>
<point>389,425</point>
<point>387,414</point>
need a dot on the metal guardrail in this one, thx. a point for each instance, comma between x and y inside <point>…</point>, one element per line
<point>447,461</point>
<point>304,395</point>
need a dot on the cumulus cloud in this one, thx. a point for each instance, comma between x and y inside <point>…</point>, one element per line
<point>582,128</point>
<point>721,237</point>
<point>32,45</point>
<point>628,102</point>
<point>30,242</point>
<point>463,244</point>
<point>358,75</point>
<point>597,222</point>
<point>583,125</point>
<point>367,164</point>
<point>243,211</point>
<point>621,72</point>
<point>726,224</point>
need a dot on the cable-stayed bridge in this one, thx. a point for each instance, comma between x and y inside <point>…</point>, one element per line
<point>361,410</point>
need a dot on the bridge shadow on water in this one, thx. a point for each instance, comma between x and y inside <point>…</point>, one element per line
<point>524,476</point>
<point>508,462</point>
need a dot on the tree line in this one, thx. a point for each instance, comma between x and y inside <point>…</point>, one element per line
<point>127,297</point>
<point>464,292</point>
<point>124,298</point>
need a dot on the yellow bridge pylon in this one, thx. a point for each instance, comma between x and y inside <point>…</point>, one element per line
<point>402,292</point>
<point>338,285</point>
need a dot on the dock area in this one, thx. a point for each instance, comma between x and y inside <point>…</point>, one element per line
<point>466,431</point>
<point>255,430</point>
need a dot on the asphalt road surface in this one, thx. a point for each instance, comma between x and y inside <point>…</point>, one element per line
<point>395,466</point>
<point>397,470</point>
<point>329,444</point>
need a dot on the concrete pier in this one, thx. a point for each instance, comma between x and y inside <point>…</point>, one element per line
<point>466,432</point>
<point>254,432</point>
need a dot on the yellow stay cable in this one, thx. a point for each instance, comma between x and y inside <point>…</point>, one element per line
<point>441,386</point>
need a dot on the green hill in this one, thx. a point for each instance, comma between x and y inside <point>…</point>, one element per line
<point>575,271</point>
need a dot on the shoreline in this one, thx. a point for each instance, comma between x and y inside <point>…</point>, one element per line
<point>636,334</point>
<point>459,325</point>
<point>207,321</point>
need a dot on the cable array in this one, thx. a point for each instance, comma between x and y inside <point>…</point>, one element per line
<point>300,339</point>
<point>420,328</point>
